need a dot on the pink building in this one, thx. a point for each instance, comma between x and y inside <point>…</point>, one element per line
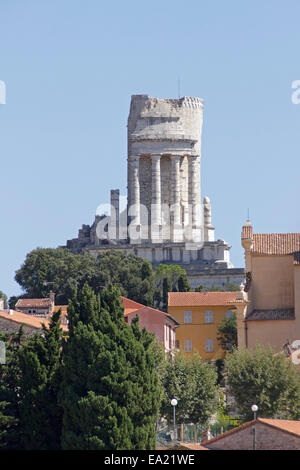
<point>162,324</point>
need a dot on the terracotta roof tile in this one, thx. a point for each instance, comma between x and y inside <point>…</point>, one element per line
<point>290,426</point>
<point>142,309</point>
<point>26,319</point>
<point>273,243</point>
<point>26,303</point>
<point>130,305</point>
<point>196,299</point>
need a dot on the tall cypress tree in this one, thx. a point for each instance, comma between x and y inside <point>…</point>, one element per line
<point>40,367</point>
<point>109,390</point>
<point>10,436</point>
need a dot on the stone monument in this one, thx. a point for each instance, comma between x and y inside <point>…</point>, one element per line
<point>164,221</point>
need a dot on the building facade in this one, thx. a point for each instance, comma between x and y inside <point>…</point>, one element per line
<point>165,220</point>
<point>42,307</point>
<point>272,266</point>
<point>259,434</point>
<point>200,315</point>
<point>161,324</point>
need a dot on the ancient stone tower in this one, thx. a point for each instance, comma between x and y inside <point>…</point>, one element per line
<point>164,154</point>
<point>164,221</point>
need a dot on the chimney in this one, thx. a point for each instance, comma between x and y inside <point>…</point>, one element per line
<point>52,299</point>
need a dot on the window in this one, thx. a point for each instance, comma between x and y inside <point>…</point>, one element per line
<point>187,316</point>
<point>177,344</point>
<point>229,313</point>
<point>187,345</point>
<point>208,316</point>
<point>209,345</point>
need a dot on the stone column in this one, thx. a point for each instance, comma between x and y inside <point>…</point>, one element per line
<point>115,213</point>
<point>134,202</point>
<point>177,225</point>
<point>156,199</point>
<point>194,199</point>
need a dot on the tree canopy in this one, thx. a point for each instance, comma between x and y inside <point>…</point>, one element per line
<point>110,393</point>
<point>266,379</point>
<point>193,382</point>
<point>40,362</point>
<point>227,333</point>
<point>169,278</point>
<point>64,272</point>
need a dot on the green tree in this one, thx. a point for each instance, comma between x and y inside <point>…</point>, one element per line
<point>169,278</point>
<point>110,393</point>
<point>266,379</point>
<point>220,366</point>
<point>40,367</point>
<point>228,287</point>
<point>183,283</point>
<point>167,286</point>
<point>68,272</point>
<point>13,300</point>
<point>199,288</point>
<point>193,382</point>
<point>227,333</point>
<point>63,269</point>
<point>132,275</point>
<point>10,430</point>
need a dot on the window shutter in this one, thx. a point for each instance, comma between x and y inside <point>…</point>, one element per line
<point>187,316</point>
<point>188,345</point>
<point>208,316</point>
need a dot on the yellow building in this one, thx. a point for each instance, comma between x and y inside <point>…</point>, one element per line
<point>272,267</point>
<point>200,315</point>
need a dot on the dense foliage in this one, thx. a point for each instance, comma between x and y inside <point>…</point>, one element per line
<point>227,333</point>
<point>10,435</point>
<point>169,278</point>
<point>110,393</point>
<point>266,379</point>
<point>40,376</point>
<point>193,382</point>
<point>65,273</point>
<point>30,417</point>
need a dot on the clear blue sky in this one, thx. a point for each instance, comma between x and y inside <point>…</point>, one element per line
<point>70,68</point>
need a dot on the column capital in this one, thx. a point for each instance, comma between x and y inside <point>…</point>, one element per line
<point>134,157</point>
<point>176,156</point>
<point>155,156</point>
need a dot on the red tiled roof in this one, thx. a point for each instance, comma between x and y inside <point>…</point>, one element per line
<point>130,305</point>
<point>133,307</point>
<point>276,243</point>
<point>36,321</point>
<point>38,303</point>
<point>197,299</point>
<point>290,426</point>
<point>26,319</point>
<point>273,243</point>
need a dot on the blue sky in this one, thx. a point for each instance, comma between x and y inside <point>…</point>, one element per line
<point>70,68</point>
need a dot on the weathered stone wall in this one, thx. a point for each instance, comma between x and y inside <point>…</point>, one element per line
<point>9,326</point>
